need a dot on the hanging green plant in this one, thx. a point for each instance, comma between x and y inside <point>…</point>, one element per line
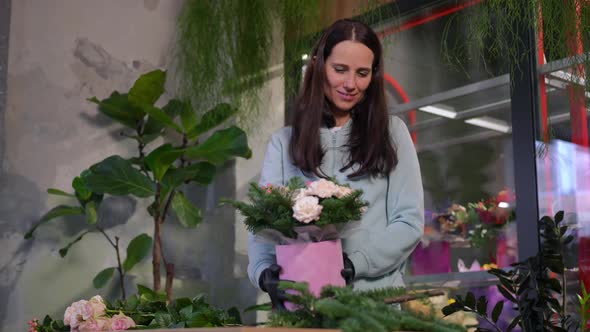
<point>226,49</point>
<point>493,32</point>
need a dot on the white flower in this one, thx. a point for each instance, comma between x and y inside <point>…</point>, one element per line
<point>323,188</point>
<point>342,191</point>
<point>300,193</point>
<point>307,209</point>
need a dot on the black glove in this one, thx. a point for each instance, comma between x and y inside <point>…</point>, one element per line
<point>269,282</point>
<point>348,271</point>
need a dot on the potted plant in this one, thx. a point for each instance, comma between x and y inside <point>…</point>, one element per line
<point>157,172</point>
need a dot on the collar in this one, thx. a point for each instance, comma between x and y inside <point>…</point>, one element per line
<point>338,138</point>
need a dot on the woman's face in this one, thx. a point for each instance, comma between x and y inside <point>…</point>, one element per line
<point>348,74</point>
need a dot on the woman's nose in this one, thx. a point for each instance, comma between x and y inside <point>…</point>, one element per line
<point>349,83</point>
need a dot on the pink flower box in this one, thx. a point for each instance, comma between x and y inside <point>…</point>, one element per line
<point>317,263</point>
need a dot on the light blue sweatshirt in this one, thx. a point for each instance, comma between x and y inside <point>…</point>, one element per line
<point>390,228</point>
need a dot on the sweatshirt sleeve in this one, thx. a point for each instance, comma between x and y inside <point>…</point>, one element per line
<point>386,251</point>
<point>261,254</point>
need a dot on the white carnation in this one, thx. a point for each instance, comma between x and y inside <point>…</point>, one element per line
<point>323,188</point>
<point>300,193</point>
<point>307,209</point>
<point>343,191</point>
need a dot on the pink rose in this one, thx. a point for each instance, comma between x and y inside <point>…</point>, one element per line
<point>121,322</point>
<point>79,311</point>
<point>323,188</point>
<point>98,306</point>
<point>307,209</point>
<point>95,324</point>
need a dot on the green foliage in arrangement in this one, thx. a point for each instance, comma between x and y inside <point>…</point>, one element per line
<point>530,286</point>
<point>351,311</point>
<point>274,207</point>
<point>150,310</point>
<point>158,172</point>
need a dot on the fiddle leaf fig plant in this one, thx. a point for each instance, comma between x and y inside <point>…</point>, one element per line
<point>156,172</point>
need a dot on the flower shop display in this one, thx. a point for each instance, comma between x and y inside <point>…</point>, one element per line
<point>488,217</point>
<point>145,310</point>
<point>535,286</point>
<point>305,222</point>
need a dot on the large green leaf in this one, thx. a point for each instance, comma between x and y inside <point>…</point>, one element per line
<point>159,160</point>
<point>154,128</point>
<point>161,116</point>
<point>103,277</point>
<point>174,107</point>
<point>148,88</point>
<point>188,117</point>
<point>221,146</point>
<point>212,119</point>
<point>118,108</point>
<point>64,251</point>
<point>58,211</point>
<point>148,295</point>
<point>116,176</point>
<point>202,173</point>
<point>137,250</point>
<point>186,213</point>
<point>58,192</point>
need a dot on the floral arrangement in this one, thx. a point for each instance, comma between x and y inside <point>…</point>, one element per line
<point>453,221</point>
<point>286,208</point>
<point>488,217</point>
<point>145,310</point>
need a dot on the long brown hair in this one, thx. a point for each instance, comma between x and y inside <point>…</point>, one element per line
<point>369,143</point>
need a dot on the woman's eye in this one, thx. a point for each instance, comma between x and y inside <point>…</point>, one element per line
<point>339,70</point>
<point>363,73</point>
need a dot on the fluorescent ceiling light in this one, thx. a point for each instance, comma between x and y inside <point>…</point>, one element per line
<point>490,123</point>
<point>440,110</point>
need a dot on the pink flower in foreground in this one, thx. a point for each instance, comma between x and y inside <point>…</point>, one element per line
<point>307,209</point>
<point>98,306</point>
<point>323,188</point>
<point>95,324</point>
<point>121,322</point>
<point>76,313</point>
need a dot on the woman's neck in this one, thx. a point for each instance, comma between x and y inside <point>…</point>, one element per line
<point>341,118</point>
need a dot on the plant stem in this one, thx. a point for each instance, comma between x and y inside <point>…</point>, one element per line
<point>156,252</point>
<point>119,266</point>
<point>169,280</point>
<point>484,317</point>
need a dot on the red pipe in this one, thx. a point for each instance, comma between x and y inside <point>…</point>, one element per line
<point>404,96</point>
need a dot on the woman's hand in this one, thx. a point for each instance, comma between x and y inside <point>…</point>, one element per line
<point>348,271</point>
<point>269,282</point>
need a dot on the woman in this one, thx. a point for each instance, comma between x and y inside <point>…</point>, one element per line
<point>342,129</point>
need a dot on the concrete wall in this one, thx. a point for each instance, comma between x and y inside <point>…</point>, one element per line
<point>62,52</point>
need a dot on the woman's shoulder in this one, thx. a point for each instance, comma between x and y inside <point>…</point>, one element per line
<point>282,134</point>
<point>396,122</point>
